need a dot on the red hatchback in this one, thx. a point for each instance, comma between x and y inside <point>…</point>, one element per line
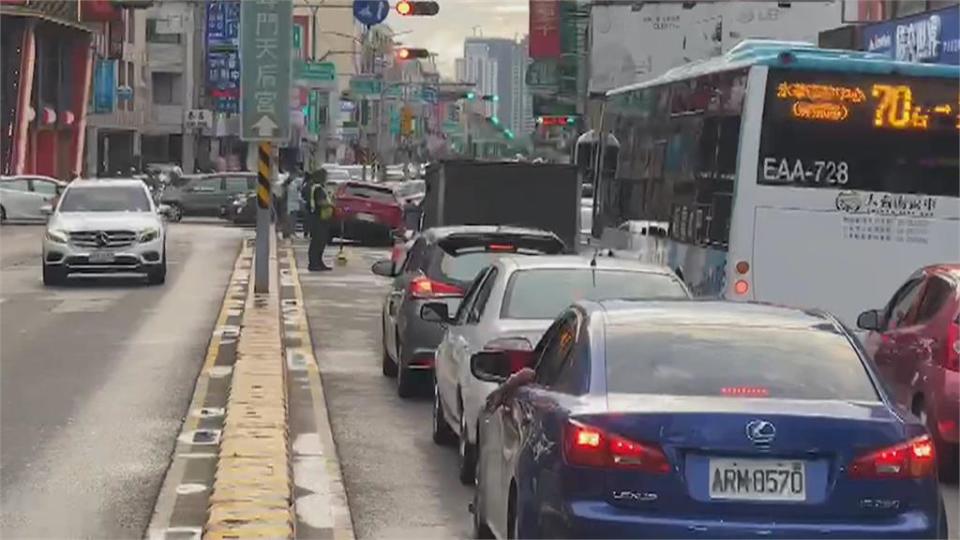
<point>368,212</point>
<point>915,343</point>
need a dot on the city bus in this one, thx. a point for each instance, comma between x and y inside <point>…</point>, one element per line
<point>790,174</point>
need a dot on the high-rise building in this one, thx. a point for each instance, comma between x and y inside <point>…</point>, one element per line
<point>520,120</point>
<point>479,67</point>
<point>502,51</point>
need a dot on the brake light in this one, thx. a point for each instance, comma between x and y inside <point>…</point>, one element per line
<point>589,446</point>
<point>518,350</point>
<point>952,346</point>
<point>501,247</point>
<point>424,287</point>
<point>913,459</point>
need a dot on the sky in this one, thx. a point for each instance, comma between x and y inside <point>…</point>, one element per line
<point>445,32</point>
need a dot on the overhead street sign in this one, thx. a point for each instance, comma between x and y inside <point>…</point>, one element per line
<point>315,74</point>
<point>266,28</point>
<point>362,86</point>
<point>371,12</point>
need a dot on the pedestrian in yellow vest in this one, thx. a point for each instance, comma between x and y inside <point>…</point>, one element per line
<point>319,215</point>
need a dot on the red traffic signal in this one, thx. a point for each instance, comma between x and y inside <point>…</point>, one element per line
<point>416,8</point>
<point>556,120</point>
<point>407,54</point>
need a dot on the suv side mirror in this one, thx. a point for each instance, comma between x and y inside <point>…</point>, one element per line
<point>869,320</point>
<point>490,366</point>
<point>435,312</point>
<point>384,267</point>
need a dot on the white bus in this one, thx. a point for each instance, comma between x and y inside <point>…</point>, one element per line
<point>790,174</point>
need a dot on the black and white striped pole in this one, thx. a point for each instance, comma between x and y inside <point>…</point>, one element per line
<point>261,272</point>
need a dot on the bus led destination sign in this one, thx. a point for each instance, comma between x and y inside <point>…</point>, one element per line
<point>917,105</point>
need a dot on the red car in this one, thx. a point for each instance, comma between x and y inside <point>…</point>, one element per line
<point>915,343</point>
<point>367,212</point>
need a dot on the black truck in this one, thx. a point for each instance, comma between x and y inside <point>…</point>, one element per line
<point>543,196</point>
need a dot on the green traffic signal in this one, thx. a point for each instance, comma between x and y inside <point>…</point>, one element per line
<point>471,95</point>
<point>571,120</point>
<point>495,120</point>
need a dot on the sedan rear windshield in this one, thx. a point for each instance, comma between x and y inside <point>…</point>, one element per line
<point>736,361</point>
<point>544,293</point>
<point>370,193</point>
<point>105,199</point>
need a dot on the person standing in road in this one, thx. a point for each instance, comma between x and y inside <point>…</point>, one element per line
<point>319,213</point>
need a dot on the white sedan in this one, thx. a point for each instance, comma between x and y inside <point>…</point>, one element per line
<point>23,197</point>
<point>507,308</point>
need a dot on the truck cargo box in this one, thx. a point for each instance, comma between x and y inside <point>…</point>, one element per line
<point>544,196</point>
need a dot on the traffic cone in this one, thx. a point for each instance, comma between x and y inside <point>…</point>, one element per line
<point>341,259</point>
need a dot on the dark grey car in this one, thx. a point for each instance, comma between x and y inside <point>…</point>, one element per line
<point>206,194</point>
<point>439,267</point>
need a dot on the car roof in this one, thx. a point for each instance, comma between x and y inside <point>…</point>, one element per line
<point>435,234</point>
<point>106,182</point>
<point>712,313</point>
<point>575,261</point>
<point>951,269</point>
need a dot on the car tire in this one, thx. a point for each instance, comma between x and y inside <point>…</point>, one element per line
<point>467,454</point>
<point>406,385</point>
<point>157,276</point>
<point>176,212</point>
<point>53,276</point>
<point>442,434</point>
<point>388,367</point>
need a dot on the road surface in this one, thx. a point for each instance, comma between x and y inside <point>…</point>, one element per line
<point>96,377</point>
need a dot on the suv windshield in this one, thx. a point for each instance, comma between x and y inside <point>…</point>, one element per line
<point>543,293</point>
<point>691,360</point>
<point>105,199</point>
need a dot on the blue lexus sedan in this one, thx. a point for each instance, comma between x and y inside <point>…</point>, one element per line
<point>699,420</point>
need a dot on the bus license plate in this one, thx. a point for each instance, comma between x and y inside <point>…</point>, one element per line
<point>101,257</point>
<point>758,480</point>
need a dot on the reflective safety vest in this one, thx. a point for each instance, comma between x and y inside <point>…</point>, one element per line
<point>326,209</point>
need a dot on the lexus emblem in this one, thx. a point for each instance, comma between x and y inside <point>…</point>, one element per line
<point>761,432</point>
<point>102,239</point>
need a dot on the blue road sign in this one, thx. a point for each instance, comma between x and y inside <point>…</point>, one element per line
<point>371,12</point>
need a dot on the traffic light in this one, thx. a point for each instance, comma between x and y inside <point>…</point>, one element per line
<point>556,120</point>
<point>415,8</point>
<point>407,54</point>
<point>495,120</point>
<point>470,95</point>
<point>491,97</point>
<point>509,134</point>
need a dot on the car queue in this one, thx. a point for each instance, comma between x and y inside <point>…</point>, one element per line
<point>592,397</point>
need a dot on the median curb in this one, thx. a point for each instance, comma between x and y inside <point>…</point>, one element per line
<point>252,488</point>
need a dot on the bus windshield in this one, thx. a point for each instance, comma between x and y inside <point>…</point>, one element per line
<point>866,132</point>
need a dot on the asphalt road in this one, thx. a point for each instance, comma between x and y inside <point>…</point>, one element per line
<point>399,484</point>
<point>95,379</point>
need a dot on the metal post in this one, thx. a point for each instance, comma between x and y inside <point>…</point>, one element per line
<point>261,277</point>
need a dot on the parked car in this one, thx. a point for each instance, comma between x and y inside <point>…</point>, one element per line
<point>915,343</point>
<point>508,307</point>
<point>23,197</point>
<point>105,226</point>
<point>367,212</point>
<point>700,420</point>
<point>205,194</point>
<point>440,265</point>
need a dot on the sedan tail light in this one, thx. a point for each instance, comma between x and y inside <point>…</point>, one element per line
<point>424,287</point>
<point>518,351</point>
<point>590,446</point>
<point>913,459</point>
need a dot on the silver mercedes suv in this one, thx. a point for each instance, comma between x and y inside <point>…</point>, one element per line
<point>105,226</point>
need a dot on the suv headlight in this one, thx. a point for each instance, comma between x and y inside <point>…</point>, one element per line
<point>149,235</point>
<point>58,236</point>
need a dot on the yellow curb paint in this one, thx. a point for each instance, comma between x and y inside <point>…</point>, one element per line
<point>252,490</point>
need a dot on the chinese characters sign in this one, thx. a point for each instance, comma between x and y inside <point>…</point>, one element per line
<point>223,24</point>
<point>223,80</point>
<point>266,28</point>
<point>929,37</point>
<point>544,29</point>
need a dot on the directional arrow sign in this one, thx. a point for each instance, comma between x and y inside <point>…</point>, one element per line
<point>266,28</point>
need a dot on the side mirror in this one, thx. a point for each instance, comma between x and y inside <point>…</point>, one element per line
<point>435,312</point>
<point>383,267</point>
<point>46,209</point>
<point>490,366</point>
<point>164,210</point>
<point>869,320</point>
